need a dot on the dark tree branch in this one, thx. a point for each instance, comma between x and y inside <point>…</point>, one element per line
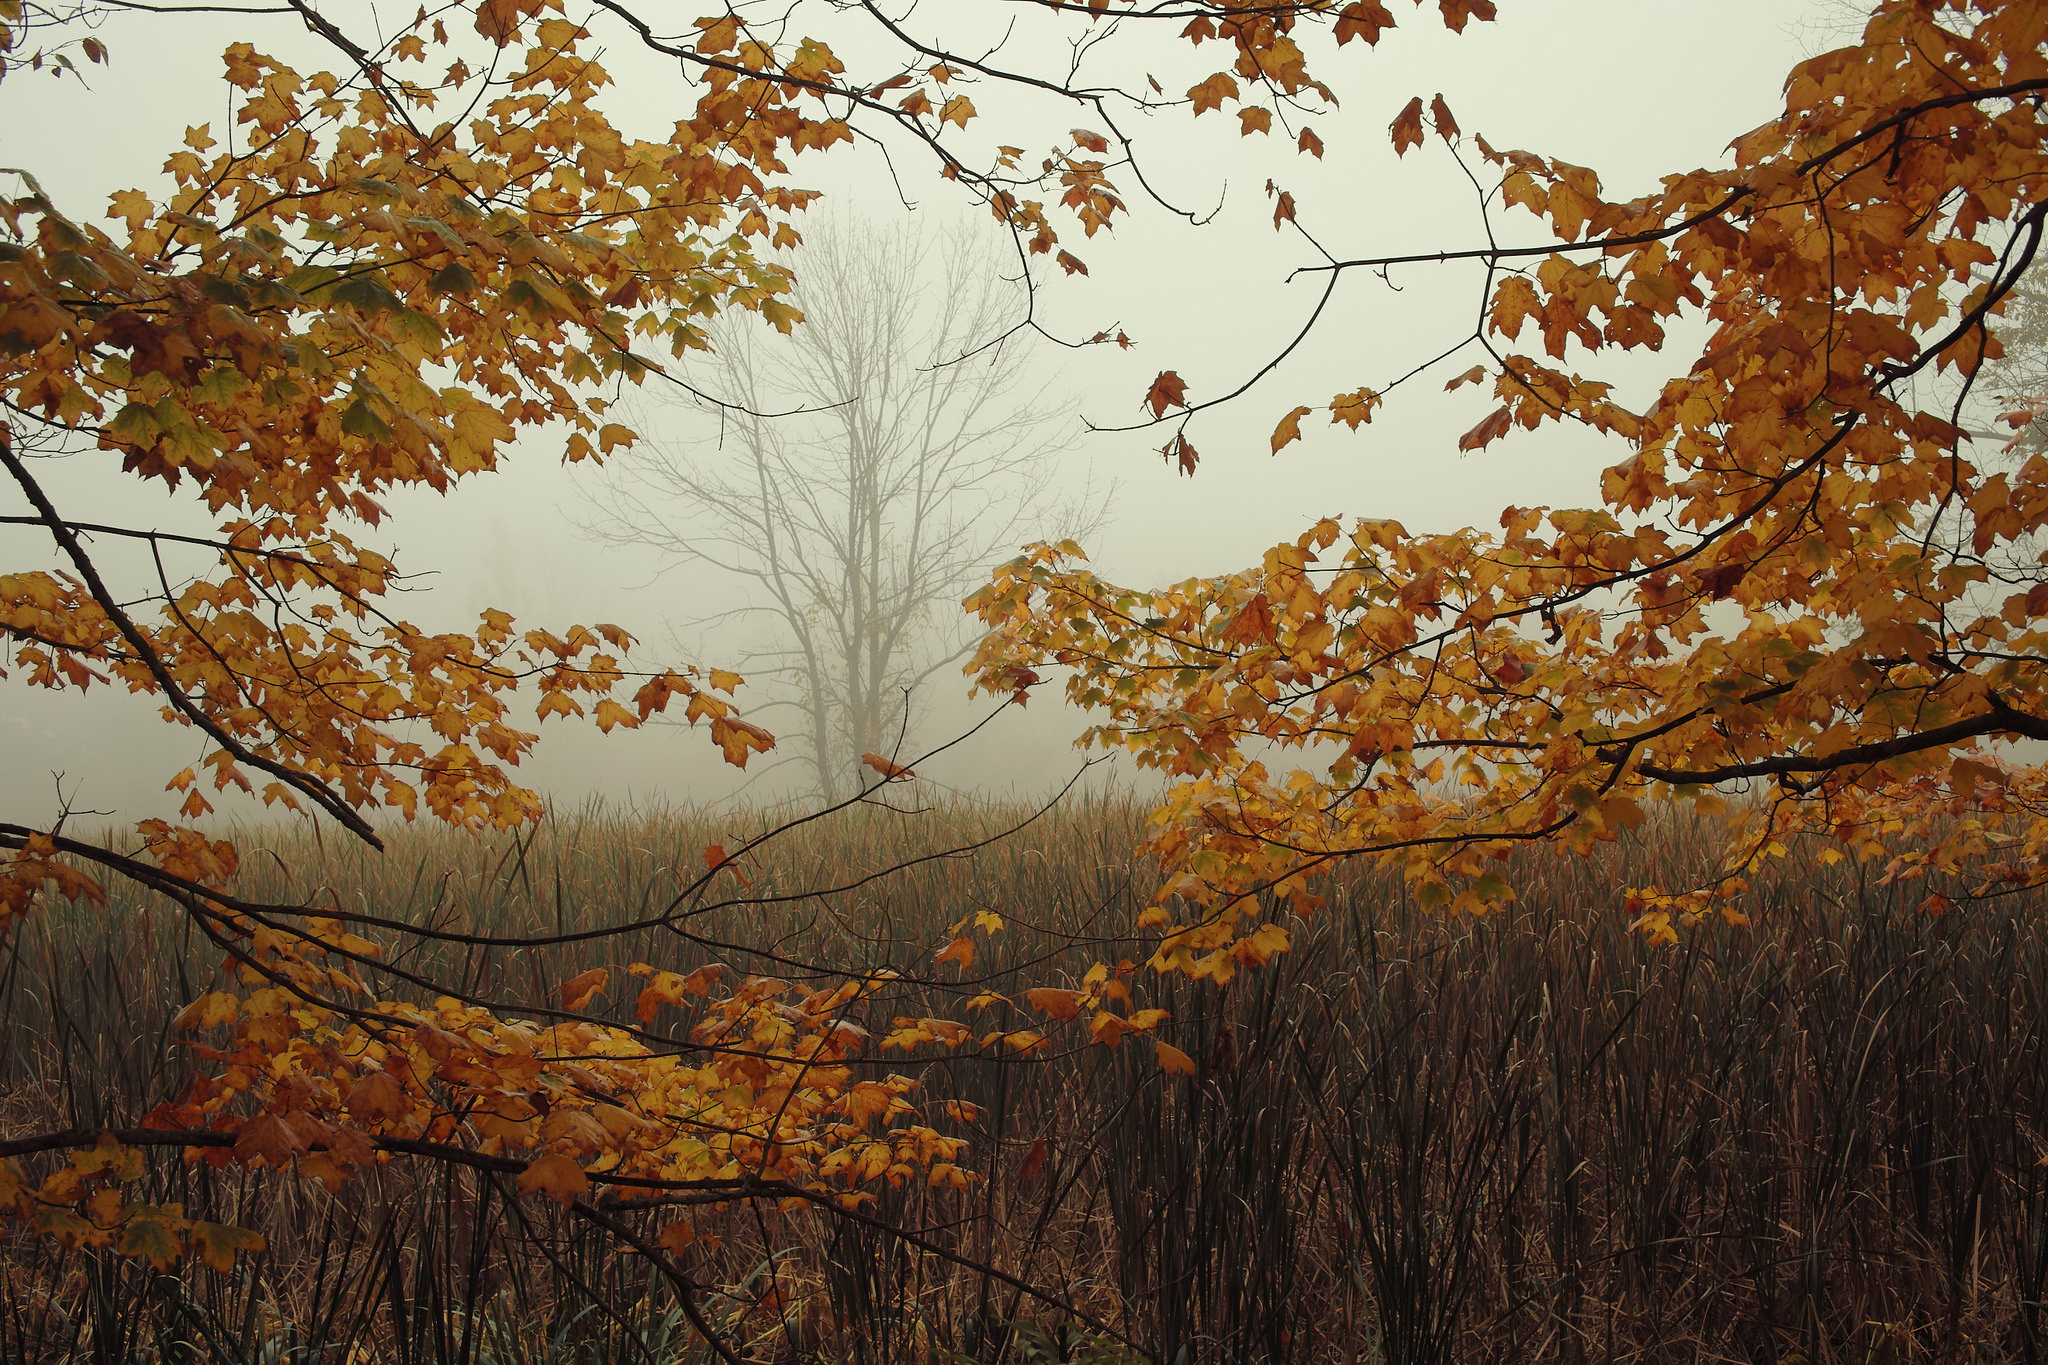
<point>146,653</point>
<point>1999,720</point>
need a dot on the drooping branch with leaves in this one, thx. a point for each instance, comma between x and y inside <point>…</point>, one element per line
<point>373,279</point>
<point>1804,583</point>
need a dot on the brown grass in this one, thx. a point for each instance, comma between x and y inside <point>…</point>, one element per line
<point>1535,1137</point>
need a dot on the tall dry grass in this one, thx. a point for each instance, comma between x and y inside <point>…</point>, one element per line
<point>1535,1137</point>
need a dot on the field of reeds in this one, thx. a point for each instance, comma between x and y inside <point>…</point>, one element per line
<point>1535,1137</point>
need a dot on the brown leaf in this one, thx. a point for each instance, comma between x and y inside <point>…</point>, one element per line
<point>1456,12</point>
<point>378,1098</point>
<point>1034,1162</point>
<point>1283,209</point>
<point>1252,626</point>
<point>1365,19</point>
<point>1440,115</point>
<point>498,20</point>
<point>1719,582</point>
<point>1407,127</point>
<point>1492,429</point>
<point>1167,391</point>
<point>271,1138</point>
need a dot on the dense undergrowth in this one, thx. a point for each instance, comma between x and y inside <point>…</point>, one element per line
<point>1532,1137</point>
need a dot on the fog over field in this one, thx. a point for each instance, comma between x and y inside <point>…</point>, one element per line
<point>1591,81</point>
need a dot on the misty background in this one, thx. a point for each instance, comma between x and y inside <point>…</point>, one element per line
<point>658,541</point>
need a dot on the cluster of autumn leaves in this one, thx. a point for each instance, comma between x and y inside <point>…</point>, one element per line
<point>1798,578</point>
<point>1803,578</point>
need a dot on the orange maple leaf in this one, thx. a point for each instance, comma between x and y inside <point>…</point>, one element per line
<point>557,1177</point>
<point>1289,429</point>
<point>715,858</point>
<point>739,740</point>
<point>581,989</point>
<point>1060,1004</point>
<point>1354,409</point>
<point>1211,93</point>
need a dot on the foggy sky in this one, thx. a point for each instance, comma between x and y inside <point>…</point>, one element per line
<point>1629,88</point>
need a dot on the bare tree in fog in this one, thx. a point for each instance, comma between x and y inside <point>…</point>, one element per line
<point>2018,381</point>
<point>858,523</point>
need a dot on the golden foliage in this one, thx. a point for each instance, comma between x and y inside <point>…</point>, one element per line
<point>1802,582</point>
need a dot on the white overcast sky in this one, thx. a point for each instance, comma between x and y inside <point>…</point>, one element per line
<point>1632,88</point>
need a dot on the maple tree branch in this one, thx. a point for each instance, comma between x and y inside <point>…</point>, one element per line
<point>1545,605</point>
<point>144,8</point>
<point>1999,720</point>
<point>226,547</point>
<point>1083,96</point>
<point>1974,320</point>
<point>1616,752</point>
<point>1498,253</point>
<point>238,678</point>
<point>1493,253</point>
<point>1300,336</point>
<point>147,655</point>
<point>1095,98</point>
